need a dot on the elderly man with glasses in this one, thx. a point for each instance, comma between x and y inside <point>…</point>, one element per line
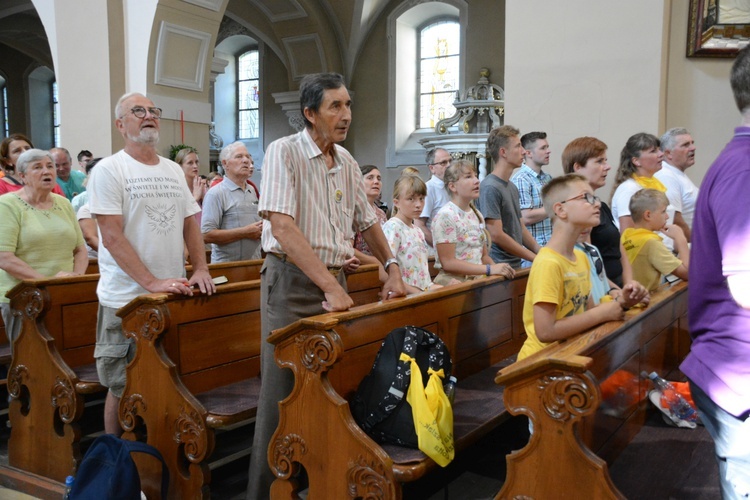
<point>145,214</point>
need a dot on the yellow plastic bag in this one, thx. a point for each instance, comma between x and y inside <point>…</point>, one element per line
<point>432,413</point>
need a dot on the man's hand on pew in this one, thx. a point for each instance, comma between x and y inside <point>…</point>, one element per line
<point>394,285</point>
<point>170,285</point>
<point>203,279</point>
<point>337,300</point>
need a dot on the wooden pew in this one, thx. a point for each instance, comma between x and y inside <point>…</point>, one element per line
<point>559,389</point>
<point>57,355</point>
<point>480,322</point>
<point>53,371</point>
<point>196,370</point>
<point>4,349</point>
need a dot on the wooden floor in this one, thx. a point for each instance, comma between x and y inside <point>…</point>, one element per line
<point>662,462</point>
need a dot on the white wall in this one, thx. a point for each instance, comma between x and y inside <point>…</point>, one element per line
<point>611,69</point>
<point>698,96</point>
<point>584,68</point>
<point>82,70</point>
<point>225,99</point>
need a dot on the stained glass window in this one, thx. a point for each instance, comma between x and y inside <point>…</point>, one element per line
<point>55,115</point>
<point>248,90</point>
<point>439,46</point>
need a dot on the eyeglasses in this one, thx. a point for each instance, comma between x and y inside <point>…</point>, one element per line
<point>443,163</point>
<point>594,253</point>
<point>140,112</point>
<point>586,196</point>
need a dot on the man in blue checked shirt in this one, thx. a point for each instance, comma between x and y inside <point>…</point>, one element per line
<point>530,179</point>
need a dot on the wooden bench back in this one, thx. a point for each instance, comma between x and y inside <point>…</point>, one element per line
<point>211,340</point>
<point>71,307</point>
<point>185,347</point>
<point>68,315</point>
<point>330,354</point>
<point>195,368</point>
<point>559,388</point>
<point>479,321</point>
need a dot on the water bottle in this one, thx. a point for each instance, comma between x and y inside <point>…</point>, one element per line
<point>450,389</point>
<point>673,400</point>
<point>68,486</point>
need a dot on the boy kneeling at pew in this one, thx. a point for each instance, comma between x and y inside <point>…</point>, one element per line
<point>558,303</point>
<point>650,258</point>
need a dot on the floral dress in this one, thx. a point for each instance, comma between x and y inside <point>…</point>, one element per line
<point>464,229</point>
<point>408,245</point>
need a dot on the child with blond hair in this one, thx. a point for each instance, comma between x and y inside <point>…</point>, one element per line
<point>557,304</point>
<point>647,253</point>
<point>458,231</point>
<point>407,241</point>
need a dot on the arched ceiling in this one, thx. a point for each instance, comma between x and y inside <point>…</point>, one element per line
<point>333,30</point>
<point>21,30</point>
<point>340,27</point>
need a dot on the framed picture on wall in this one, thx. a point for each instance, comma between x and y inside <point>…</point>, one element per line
<point>718,28</point>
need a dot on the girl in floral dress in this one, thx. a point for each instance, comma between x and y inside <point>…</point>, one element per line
<point>406,240</point>
<point>458,231</point>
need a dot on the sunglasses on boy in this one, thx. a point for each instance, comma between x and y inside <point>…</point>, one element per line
<point>595,257</point>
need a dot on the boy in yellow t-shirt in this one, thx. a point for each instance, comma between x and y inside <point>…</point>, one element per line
<point>557,303</point>
<point>645,250</point>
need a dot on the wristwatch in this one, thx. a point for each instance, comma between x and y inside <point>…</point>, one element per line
<point>389,262</point>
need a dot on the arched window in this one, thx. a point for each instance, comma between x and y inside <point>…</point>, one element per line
<point>4,107</point>
<point>248,95</point>
<point>55,116</point>
<point>439,57</point>
<point>425,42</point>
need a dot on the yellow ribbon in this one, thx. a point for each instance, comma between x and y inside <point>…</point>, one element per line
<point>432,413</point>
<point>633,240</point>
<point>650,183</point>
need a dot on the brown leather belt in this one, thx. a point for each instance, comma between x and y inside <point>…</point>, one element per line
<point>285,258</point>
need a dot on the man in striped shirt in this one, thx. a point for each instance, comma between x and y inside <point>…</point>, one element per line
<point>314,201</point>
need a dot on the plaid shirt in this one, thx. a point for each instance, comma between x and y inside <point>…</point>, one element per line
<point>530,185</point>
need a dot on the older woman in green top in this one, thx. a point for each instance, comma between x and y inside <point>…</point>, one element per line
<point>39,234</point>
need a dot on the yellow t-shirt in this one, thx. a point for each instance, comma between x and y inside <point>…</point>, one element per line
<point>556,280</point>
<point>649,257</point>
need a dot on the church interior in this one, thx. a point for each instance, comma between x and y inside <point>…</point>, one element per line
<point>228,70</point>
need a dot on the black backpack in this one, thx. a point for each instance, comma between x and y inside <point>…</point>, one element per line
<point>379,405</point>
<point>108,470</point>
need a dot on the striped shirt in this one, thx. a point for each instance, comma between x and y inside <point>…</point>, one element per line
<point>328,206</point>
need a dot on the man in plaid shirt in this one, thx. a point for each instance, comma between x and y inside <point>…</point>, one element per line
<point>530,179</point>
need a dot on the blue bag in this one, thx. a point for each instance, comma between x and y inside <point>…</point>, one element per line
<point>108,470</point>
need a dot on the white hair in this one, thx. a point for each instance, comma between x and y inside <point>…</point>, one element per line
<point>30,156</point>
<point>229,149</point>
<point>125,97</point>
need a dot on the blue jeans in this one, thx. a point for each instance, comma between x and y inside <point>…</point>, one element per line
<point>731,437</point>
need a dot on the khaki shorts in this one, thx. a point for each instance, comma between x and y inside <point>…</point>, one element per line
<point>113,350</point>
